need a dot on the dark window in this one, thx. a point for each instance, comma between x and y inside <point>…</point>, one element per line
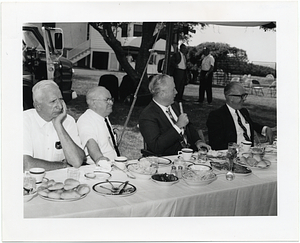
<point>137,30</point>
<point>49,25</point>
<point>124,30</point>
<point>100,60</point>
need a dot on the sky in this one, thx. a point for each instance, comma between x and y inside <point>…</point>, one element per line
<point>259,45</point>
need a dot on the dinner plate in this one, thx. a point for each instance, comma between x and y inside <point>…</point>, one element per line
<point>104,189</point>
<point>161,160</point>
<point>99,175</point>
<point>247,172</point>
<point>63,200</point>
<point>28,197</point>
<point>257,167</point>
<point>139,172</point>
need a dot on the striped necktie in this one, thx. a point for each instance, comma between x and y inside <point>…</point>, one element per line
<point>184,142</point>
<point>242,126</point>
<point>112,136</point>
<point>168,110</point>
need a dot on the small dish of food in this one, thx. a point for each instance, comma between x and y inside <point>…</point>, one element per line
<point>165,179</point>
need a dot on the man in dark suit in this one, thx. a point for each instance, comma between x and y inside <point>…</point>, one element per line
<point>163,128</point>
<point>232,122</point>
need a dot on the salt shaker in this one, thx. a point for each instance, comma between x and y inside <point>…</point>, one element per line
<point>173,170</point>
<point>179,172</point>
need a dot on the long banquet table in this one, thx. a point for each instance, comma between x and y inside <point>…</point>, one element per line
<point>253,195</point>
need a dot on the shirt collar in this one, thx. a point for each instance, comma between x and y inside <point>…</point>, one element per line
<point>231,110</point>
<point>41,122</point>
<point>164,108</point>
<point>95,114</point>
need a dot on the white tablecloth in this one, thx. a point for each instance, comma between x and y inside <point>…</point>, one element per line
<point>253,195</point>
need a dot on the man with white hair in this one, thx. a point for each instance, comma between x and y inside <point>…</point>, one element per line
<point>164,128</point>
<point>95,130</point>
<point>50,136</point>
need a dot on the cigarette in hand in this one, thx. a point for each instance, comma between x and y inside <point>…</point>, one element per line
<point>180,106</point>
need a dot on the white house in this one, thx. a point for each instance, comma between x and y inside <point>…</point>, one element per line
<point>84,46</point>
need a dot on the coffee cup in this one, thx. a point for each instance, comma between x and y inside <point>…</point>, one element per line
<point>186,153</point>
<point>37,173</point>
<point>121,161</point>
<point>246,145</point>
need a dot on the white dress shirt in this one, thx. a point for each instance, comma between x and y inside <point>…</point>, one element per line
<point>164,109</point>
<point>239,130</point>
<point>92,126</point>
<point>40,136</point>
<point>182,64</point>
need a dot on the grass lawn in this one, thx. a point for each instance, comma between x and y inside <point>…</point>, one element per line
<point>262,109</point>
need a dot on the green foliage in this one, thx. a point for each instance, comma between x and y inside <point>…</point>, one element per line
<point>230,59</point>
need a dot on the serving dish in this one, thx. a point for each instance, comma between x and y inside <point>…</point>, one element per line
<point>106,189</point>
<point>223,167</point>
<point>164,179</point>
<point>199,177</point>
<point>160,160</point>
<point>216,154</point>
<point>63,200</point>
<point>200,167</point>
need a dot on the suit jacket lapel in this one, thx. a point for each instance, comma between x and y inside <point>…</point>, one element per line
<point>230,123</point>
<point>247,119</point>
<point>161,114</point>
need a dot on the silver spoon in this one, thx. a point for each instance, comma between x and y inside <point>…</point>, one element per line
<point>126,172</point>
<point>111,190</point>
<point>112,186</point>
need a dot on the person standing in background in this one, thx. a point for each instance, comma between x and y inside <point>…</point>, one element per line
<point>206,75</point>
<point>180,72</point>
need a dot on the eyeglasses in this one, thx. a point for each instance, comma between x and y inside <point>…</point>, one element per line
<point>108,100</point>
<point>242,96</point>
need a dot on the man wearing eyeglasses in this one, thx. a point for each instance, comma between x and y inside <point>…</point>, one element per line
<point>94,127</point>
<point>232,122</point>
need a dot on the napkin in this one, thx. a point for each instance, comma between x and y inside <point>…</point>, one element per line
<point>103,165</point>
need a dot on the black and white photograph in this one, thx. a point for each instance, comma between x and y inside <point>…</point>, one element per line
<point>150,121</point>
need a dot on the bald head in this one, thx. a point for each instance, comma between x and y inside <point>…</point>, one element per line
<point>231,88</point>
<point>99,100</point>
<point>95,93</point>
<point>235,95</point>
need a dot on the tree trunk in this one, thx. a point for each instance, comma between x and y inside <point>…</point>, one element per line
<point>105,29</point>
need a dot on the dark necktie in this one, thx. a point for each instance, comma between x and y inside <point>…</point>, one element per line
<point>242,126</point>
<point>112,136</point>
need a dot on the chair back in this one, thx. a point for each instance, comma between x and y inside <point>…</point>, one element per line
<point>111,83</point>
<point>255,82</point>
<point>273,85</point>
<point>235,79</point>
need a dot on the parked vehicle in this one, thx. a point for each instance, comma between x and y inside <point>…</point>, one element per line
<point>42,59</point>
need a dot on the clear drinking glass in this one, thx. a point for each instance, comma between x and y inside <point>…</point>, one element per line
<point>73,173</point>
